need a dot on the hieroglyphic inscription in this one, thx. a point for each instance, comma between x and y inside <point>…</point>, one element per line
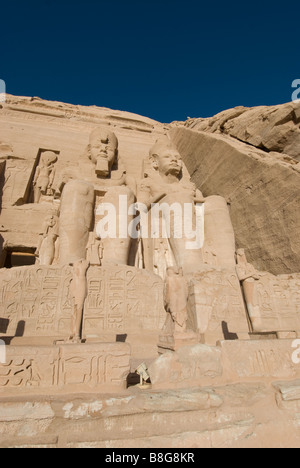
<point>260,358</point>
<point>216,301</point>
<point>37,296</point>
<point>122,299</point>
<point>92,365</point>
<point>29,367</point>
<point>119,299</point>
<point>274,304</point>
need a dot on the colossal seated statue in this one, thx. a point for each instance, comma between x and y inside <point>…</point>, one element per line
<point>99,179</point>
<point>208,220</point>
<point>195,236</point>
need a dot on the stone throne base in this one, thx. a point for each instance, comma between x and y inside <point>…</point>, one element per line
<point>122,317</point>
<point>216,311</point>
<point>123,303</point>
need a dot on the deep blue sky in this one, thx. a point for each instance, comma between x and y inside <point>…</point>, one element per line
<point>165,59</point>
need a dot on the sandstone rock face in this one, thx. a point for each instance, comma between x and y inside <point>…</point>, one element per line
<point>273,128</point>
<point>132,250</point>
<point>261,188</point>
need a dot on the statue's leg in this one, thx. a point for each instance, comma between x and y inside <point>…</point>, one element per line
<point>76,214</point>
<point>44,185</point>
<point>47,251</point>
<point>78,322</point>
<point>36,194</point>
<point>219,233</point>
<point>187,248</point>
<point>116,250</point>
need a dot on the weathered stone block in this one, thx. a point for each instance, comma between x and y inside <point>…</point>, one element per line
<point>187,366</point>
<point>69,367</point>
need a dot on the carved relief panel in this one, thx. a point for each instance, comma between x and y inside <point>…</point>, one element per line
<point>273,302</point>
<point>43,179</point>
<point>38,297</point>
<point>122,299</point>
<point>216,305</point>
<point>31,368</point>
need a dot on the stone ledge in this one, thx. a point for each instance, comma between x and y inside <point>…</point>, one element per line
<point>239,415</point>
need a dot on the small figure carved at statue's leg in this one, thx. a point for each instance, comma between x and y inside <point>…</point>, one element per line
<point>79,289</point>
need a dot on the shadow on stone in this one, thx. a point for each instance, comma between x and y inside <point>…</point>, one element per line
<point>227,334</point>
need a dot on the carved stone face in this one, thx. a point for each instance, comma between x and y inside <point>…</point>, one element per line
<point>102,153</point>
<point>168,161</point>
<point>51,221</point>
<point>48,158</point>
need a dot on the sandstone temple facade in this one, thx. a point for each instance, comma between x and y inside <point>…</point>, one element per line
<point>211,315</point>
